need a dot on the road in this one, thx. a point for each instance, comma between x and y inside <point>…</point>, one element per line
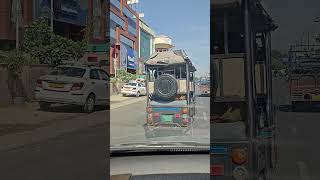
<point>80,155</point>
<point>127,122</point>
<point>298,132</point>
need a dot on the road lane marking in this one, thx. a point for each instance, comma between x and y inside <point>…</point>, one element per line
<point>303,170</point>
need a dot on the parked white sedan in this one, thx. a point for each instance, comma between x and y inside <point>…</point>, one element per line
<point>86,86</point>
<point>133,88</point>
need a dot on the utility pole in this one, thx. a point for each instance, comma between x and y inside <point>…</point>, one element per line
<point>17,34</point>
<point>51,15</point>
<point>17,19</point>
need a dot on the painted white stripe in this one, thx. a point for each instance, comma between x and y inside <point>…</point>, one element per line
<point>303,170</point>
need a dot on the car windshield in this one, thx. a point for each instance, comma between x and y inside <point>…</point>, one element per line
<point>68,71</point>
<point>132,84</point>
<point>155,96</point>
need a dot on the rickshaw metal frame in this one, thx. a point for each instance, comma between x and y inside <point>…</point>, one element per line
<point>247,8</point>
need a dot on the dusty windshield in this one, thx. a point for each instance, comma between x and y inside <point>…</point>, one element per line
<point>165,106</point>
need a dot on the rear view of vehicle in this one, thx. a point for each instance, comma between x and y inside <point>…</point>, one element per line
<point>170,94</point>
<point>304,78</point>
<point>204,87</point>
<point>133,89</point>
<point>73,85</point>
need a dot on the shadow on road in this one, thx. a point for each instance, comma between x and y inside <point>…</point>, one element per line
<point>203,95</point>
<point>72,109</point>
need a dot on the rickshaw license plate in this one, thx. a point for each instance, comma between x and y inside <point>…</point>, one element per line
<point>55,85</point>
<point>166,118</point>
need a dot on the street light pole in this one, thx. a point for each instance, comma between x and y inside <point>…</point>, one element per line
<point>17,33</point>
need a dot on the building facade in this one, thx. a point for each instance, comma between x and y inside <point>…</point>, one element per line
<point>7,27</point>
<point>124,37</point>
<point>70,18</point>
<point>146,41</point>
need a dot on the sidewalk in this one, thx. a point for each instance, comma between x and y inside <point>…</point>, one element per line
<point>119,98</point>
<point>117,101</point>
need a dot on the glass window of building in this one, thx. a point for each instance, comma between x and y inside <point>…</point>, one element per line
<point>97,5</point>
<point>132,31</point>
<point>145,45</point>
<point>127,42</point>
<point>112,36</point>
<point>115,4</point>
<point>116,21</point>
<point>131,17</point>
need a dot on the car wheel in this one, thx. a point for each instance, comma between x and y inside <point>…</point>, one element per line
<point>138,94</point>
<point>44,106</point>
<point>90,104</point>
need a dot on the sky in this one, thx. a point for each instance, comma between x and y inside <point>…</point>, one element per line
<point>295,20</point>
<point>187,22</point>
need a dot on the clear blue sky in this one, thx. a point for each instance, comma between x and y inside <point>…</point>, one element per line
<point>187,22</point>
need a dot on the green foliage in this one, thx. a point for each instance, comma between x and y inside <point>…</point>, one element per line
<point>113,80</point>
<point>48,47</point>
<point>124,76</point>
<point>16,61</point>
<point>276,60</point>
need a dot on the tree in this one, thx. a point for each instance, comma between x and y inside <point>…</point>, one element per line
<point>276,60</point>
<point>16,60</point>
<point>48,47</point>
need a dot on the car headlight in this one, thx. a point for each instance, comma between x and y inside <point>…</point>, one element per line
<point>240,173</point>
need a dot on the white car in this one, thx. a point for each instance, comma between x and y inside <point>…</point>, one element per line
<point>133,88</point>
<point>86,86</point>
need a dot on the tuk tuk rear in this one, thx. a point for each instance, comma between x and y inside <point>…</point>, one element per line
<point>170,94</point>
<point>242,114</point>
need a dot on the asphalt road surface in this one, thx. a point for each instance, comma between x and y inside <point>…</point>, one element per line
<point>81,155</point>
<point>126,123</point>
<point>298,138</point>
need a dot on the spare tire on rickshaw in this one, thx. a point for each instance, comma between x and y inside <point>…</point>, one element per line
<point>165,87</point>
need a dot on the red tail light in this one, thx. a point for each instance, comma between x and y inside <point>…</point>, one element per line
<point>178,116</point>
<point>77,86</point>
<point>185,121</point>
<point>217,170</point>
<point>39,83</point>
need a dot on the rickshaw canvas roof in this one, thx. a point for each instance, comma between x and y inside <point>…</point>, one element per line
<point>166,58</point>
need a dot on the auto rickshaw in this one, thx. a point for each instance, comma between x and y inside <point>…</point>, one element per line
<point>170,94</point>
<point>242,112</point>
